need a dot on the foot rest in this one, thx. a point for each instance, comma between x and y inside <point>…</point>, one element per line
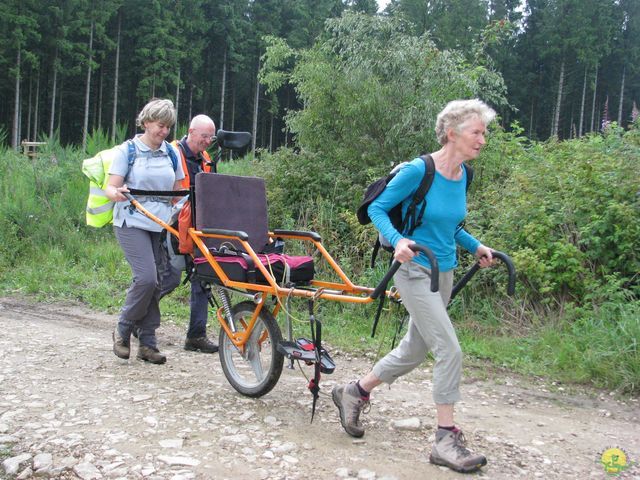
<point>303,350</point>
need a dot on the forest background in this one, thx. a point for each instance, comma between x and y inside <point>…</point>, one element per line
<point>333,94</point>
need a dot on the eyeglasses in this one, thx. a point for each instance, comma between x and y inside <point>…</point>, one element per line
<point>209,138</point>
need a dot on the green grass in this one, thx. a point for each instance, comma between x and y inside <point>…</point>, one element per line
<point>47,252</point>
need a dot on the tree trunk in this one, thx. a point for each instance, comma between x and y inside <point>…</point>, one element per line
<point>85,125</point>
<point>59,111</point>
<point>271,135</point>
<point>556,118</point>
<point>29,107</point>
<point>60,108</point>
<point>584,92</point>
<point>531,119</point>
<point>624,71</point>
<point>233,117</point>
<point>190,101</point>
<point>593,103</point>
<point>233,110</point>
<point>178,99</point>
<point>100,95</point>
<point>115,83</point>
<point>53,94</point>
<point>254,128</point>
<point>36,113</point>
<point>16,104</point>
<point>286,126</point>
<point>222,90</point>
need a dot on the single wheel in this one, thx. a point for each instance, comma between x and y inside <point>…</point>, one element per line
<point>255,371</point>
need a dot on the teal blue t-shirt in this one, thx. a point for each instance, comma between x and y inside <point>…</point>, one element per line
<point>446,208</point>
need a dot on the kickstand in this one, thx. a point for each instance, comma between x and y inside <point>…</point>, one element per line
<point>316,336</point>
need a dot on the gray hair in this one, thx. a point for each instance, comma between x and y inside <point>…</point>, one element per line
<point>157,110</point>
<point>458,112</point>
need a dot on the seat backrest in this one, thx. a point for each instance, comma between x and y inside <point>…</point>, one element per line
<point>232,203</point>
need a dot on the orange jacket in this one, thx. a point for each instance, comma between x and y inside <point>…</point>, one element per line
<point>205,165</point>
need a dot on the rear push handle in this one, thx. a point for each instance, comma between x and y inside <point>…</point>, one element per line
<point>511,284</point>
<point>435,272</point>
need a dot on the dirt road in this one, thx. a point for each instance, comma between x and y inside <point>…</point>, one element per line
<point>70,409</point>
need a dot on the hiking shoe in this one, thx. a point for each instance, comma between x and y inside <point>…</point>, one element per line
<point>120,345</point>
<point>450,451</point>
<point>202,344</point>
<point>151,355</point>
<point>350,403</point>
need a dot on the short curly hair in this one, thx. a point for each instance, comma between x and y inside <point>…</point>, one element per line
<point>457,112</point>
<point>157,110</point>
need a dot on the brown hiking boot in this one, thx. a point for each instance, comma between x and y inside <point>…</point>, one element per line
<point>202,344</point>
<point>151,355</point>
<point>120,346</point>
<point>350,403</point>
<point>450,451</point>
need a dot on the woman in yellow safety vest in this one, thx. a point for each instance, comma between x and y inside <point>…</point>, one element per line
<point>138,236</point>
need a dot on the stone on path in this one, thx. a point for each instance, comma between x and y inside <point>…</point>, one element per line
<point>12,465</point>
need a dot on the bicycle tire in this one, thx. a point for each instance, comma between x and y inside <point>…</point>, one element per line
<point>258,370</point>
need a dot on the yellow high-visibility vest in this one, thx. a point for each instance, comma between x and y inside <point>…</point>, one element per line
<point>99,208</point>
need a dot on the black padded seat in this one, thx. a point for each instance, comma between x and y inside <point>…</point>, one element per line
<point>230,202</point>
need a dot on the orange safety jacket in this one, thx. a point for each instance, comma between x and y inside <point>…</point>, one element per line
<point>205,164</point>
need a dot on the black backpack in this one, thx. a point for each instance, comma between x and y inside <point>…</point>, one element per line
<point>413,219</point>
<point>410,222</point>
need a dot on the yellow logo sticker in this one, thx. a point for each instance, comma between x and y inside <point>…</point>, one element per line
<point>615,460</point>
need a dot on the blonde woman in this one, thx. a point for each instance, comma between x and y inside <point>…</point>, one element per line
<point>152,168</point>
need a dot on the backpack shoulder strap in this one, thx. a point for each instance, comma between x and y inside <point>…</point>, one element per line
<point>427,179</point>
<point>469,170</point>
<point>172,155</point>
<point>131,152</point>
<point>411,220</point>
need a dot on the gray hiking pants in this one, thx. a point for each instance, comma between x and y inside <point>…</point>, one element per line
<point>148,262</point>
<point>429,329</point>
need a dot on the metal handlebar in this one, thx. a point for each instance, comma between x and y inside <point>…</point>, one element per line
<point>435,272</point>
<point>511,285</point>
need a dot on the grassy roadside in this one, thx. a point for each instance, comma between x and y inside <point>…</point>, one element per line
<point>46,251</point>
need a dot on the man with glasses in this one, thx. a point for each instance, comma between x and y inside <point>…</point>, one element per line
<point>195,159</point>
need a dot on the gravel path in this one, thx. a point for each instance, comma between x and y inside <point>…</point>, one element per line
<point>70,409</point>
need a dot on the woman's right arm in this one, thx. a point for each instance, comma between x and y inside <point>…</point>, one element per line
<point>115,187</point>
<point>118,170</point>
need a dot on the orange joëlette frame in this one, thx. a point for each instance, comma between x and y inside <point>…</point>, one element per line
<point>346,291</point>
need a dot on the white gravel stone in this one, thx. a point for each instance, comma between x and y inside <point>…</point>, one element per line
<point>175,443</point>
<point>364,474</point>
<point>186,461</point>
<point>87,471</point>
<point>12,465</point>
<point>273,421</point>
<point>42,461</point>
<point>25,474</point>
<point>240,438</point>
<point>141,398</point>
<point>410,424</point>
<point>8,439</point>
<point>289,459</point>
<point>285,447</point>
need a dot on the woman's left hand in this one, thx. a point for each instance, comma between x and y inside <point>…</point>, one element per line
<point>485,256</point>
